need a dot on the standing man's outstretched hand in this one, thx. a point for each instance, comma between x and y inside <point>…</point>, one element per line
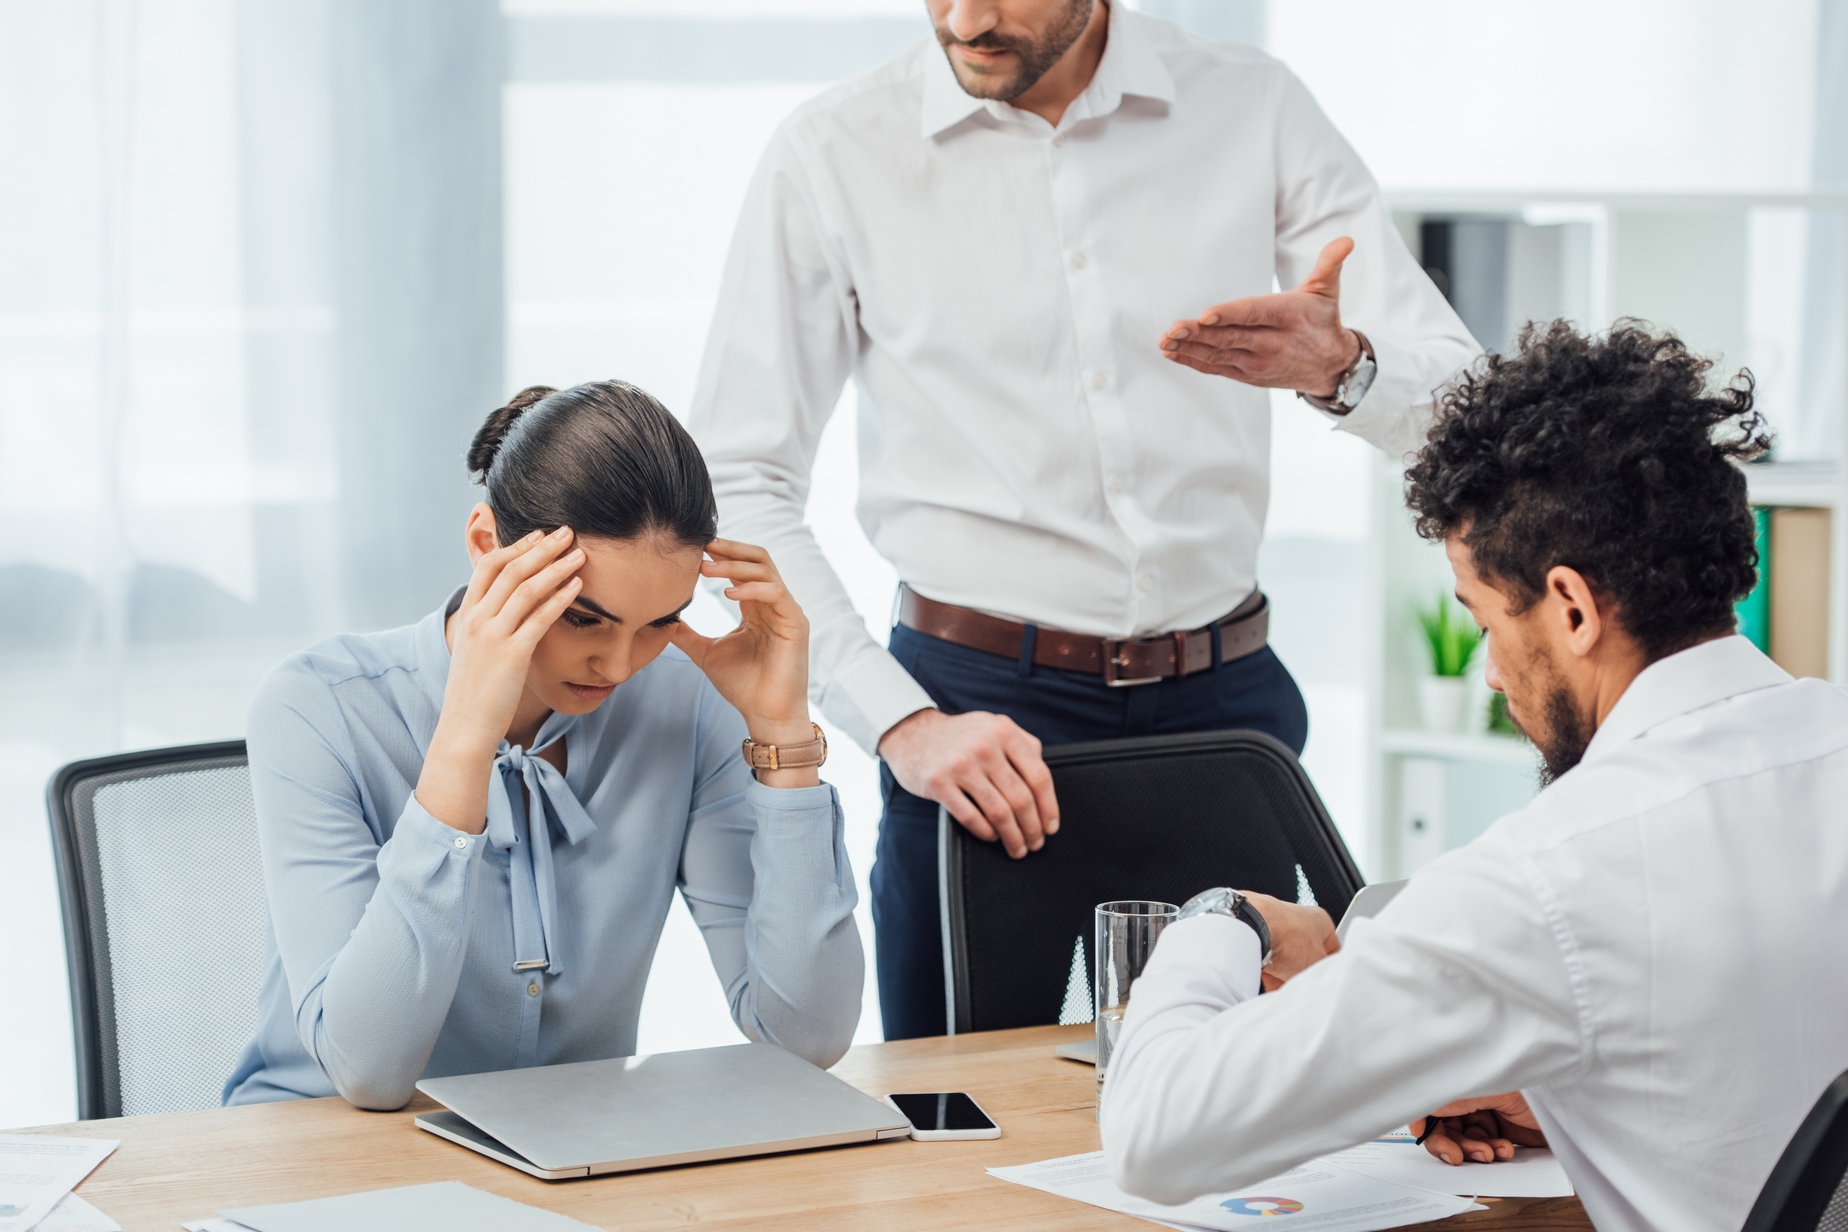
<point>985,768</point>
<point>1289,340</point>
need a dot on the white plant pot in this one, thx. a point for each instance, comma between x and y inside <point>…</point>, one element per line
<point>1443,703</point>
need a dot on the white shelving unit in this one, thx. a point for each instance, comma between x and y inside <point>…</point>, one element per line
<point>1691,262</point>
<point>1484,747</point>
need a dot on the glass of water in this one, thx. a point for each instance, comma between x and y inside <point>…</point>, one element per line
<point>1126,933</point>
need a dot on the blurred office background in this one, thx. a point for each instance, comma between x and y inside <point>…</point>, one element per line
<point>265,264</point>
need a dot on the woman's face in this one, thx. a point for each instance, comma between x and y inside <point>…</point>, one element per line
<point>634,591</point>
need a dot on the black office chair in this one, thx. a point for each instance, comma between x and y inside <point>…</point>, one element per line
<point>161,884</point>
<point>1808,1189</point>
<point>1160,818</point>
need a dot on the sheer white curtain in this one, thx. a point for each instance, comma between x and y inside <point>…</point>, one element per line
<point>250,308</point>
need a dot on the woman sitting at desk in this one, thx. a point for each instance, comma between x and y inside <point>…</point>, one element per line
<point>472,827</point>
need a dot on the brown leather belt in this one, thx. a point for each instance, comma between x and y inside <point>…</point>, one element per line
<point>1141,660</point>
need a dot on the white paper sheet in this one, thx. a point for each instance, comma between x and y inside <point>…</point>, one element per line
<point>215,1225</point>
<point>446,1206</point>
<point>73,1214</point>
<point>38,1169</point>
<point>1324,1197</point>
<point>1532,1173</point>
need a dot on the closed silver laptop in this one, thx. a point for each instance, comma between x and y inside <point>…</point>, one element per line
<point>591,1117</point>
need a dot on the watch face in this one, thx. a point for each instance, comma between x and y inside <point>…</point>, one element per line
<point>1218,899</point>
<point>1357,385</point>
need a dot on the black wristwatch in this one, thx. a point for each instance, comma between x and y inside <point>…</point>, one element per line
<point>1223,901</point>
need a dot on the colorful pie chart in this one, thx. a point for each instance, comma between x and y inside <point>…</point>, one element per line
<point>1262,1206</point>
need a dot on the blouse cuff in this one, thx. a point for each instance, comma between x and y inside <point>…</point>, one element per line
<point>418,828</point>
<point>821,798</point>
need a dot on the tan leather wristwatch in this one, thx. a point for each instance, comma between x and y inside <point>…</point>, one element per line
<point>787,756</point>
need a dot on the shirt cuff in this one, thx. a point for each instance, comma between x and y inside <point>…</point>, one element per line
<point>416,826</point>
<point>820,798</point>
<point>1208,951</point>
<point>1396,412</point>
<point>866,697</point>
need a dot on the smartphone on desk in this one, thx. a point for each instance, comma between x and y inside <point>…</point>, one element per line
<point>944,1116</point>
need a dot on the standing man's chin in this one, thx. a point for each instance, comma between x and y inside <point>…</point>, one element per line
<point>995,87</point>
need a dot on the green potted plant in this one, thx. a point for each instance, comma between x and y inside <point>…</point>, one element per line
<point>1452,638</point>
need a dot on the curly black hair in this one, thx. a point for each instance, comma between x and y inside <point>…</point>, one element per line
<point>1611,455</point>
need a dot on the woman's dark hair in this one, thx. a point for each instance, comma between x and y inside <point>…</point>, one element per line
<point>1611,456</point>
<point>605,459</point>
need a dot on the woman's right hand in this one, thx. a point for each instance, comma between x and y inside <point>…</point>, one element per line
<point>515,595</point>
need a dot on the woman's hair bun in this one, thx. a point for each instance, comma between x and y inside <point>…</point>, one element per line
<point>604,458</point>
<point>500,421</point>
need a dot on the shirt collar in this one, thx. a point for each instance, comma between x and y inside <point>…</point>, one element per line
<point>1681,684</point>
<point>1130,65</point>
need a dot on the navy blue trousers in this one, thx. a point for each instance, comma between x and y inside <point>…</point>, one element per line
<point>1060,707</point>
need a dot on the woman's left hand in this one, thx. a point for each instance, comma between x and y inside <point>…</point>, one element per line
<point>761,667</point>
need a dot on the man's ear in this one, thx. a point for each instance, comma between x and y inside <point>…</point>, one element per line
<point>1578,623</point>
<point>481,535</point>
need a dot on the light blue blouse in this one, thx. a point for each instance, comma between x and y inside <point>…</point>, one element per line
<point>402,948</point>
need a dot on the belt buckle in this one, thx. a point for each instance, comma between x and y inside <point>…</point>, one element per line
<point>1113,647</point>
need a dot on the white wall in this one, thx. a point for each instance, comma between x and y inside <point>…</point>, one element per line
<point>1636,94</point>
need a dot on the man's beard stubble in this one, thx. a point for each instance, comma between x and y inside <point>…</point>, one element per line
<point>1567,737</point>
<point>1567,733</point>
<point>1033,57</point>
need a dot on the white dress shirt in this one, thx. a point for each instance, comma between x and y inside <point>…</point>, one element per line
<point>998,287</point>
<point>1655,951</point>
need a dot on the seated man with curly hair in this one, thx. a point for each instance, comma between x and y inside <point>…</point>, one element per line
<point>1647,967</point>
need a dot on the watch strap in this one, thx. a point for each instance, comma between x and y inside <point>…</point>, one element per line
<point>1224,900</point>
<point>1247,911</point>
<point>787,756</point>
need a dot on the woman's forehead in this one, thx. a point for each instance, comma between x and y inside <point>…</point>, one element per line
<point>638,580</point>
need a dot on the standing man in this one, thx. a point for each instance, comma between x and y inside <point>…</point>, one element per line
<point>994,236</point>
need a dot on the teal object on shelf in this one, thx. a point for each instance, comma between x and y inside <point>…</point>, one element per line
<point>1754,611</point>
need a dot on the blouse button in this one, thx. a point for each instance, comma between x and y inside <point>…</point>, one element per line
<point>532,990</point>
<point>461,842</point>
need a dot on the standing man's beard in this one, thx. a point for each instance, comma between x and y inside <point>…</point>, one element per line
<point>1032,57</point>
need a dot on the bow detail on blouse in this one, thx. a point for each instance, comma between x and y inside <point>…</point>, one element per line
<point>510,829</point>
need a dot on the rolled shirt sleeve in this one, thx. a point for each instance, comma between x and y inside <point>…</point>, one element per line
<point>1458,989</point>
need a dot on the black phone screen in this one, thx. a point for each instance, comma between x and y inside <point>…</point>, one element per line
<point>930,1110</point>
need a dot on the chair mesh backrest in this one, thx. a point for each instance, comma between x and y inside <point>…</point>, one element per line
<point>174,909</point>
<point>1807,1190</point>
<point>1835,1218</point>
<point>1157,818</point>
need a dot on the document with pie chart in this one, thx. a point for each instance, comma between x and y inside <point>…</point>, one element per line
<point>1319,1196</point>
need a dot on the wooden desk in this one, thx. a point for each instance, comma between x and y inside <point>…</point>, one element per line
<point>186,1165</point>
